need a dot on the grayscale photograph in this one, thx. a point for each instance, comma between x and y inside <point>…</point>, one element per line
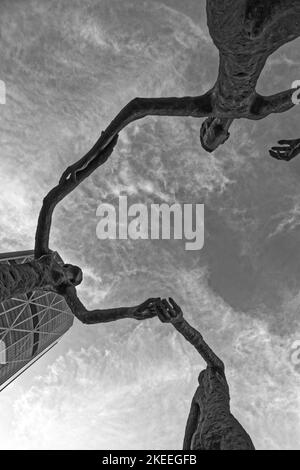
<point>150,228</point>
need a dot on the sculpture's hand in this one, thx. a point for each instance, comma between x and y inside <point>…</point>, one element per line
<point>289,149</point>
<point>169,311</point>
<point>147,309</point>
<point>71,172</point>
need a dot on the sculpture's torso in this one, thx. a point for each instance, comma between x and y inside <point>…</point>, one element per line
<point>217,428</point>
<point>252,26</point>
<point>247,32</point>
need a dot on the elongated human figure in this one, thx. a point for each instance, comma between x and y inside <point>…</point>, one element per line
<point>246,33</point>
<point>210,425</point>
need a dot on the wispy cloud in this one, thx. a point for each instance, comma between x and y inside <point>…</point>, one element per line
<point>69,69</point>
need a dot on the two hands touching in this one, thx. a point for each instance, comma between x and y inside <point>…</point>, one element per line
<point>166,310</point>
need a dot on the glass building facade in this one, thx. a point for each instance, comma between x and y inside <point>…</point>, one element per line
<point>29,324</point>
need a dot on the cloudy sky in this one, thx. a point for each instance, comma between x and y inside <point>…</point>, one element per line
<point>69,66</point>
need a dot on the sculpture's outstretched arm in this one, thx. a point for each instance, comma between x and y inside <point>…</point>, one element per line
<point>263,106</point>
<point>139,108</point>
<point>170,312</point>
<point>75,174</point>
<point>89,317</point>
<point>58,193</point>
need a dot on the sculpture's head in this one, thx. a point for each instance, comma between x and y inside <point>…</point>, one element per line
<point>73,274</point>
<point>214,132</point>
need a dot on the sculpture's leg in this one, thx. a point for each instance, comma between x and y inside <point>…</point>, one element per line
<point>191,424</point>
<point>138,108</point>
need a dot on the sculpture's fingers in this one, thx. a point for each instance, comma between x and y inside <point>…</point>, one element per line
<point>81,164</point>
<point>174,305</point>
<point>282,149</point>
<point>161,314</point>
<point>153,310</point>
<point>108,149</point>
<point>150,302</point>
<point>168,308</point>
<point>295,152</point>
<point>73,176</point>
<point>148,313</point>
<point>275,154</point>
<point>165,309</point>
<point>173,312</point>
<point>65,175</point>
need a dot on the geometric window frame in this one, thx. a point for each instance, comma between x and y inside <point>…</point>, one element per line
<point>29,324</point>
